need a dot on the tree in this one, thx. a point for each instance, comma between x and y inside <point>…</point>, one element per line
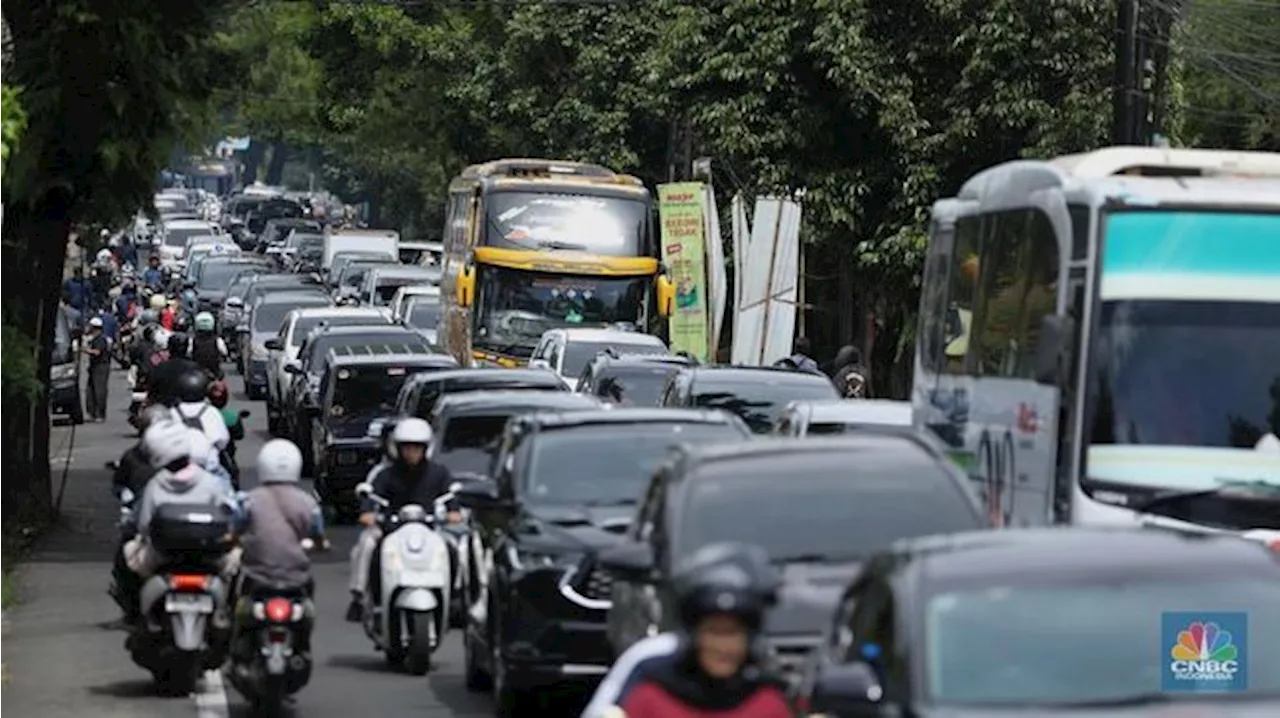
<point>108,90</point>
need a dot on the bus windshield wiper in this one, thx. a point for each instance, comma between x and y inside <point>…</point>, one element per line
<point>553,244</point>
<point>1259,487</point>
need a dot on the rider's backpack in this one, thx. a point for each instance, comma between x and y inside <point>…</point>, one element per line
<point>854,385</point>
<point>195,422</point>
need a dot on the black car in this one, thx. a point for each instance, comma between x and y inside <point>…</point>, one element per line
<point>467,426</point>
<point>302,397</point>
<point>216,276</point>
<point>630,379</point>
<point>358,386</point>
<point>818,506</point>
<point>1053,622</point>
<point>757,394</point>
<point>565,487</point>
<point>418,397</point>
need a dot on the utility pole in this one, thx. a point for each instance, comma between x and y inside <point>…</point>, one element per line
<point>1165,18</point>
<point>1124,105</point>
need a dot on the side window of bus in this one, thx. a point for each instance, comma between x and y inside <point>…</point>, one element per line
<point>461,215</point>
<point>957,319</point>
<point>1018,285</point>
<point>933,299</point>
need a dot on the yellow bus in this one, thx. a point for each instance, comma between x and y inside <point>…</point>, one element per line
<point>533,244</point>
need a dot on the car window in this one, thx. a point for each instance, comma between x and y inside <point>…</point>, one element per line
<point>759,401</point>
<point>639,385</point>
<point>470,442</point>
<point>578,353</point>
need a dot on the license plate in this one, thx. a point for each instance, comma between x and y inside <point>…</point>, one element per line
<point>188,603</point>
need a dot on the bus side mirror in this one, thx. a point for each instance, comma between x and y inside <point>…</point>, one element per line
<point>666,295</point>
<point>466,289</point>
<point>1053,348</point>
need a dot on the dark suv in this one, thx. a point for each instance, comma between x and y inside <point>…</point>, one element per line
<point>630,379</point>
<point>564,486</point>
<point>357,387</point>
<point>756,394</point>
<point>818,506</point>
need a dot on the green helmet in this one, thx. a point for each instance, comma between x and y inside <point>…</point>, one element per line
<point>204,322</point>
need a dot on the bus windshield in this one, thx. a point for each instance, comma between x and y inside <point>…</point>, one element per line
<point>1183,384</point>
<point>612,226</point>
<point>515,307</point>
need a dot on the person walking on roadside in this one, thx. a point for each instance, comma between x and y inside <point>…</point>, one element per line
<point>79,291</point>
<point>801,359</point>
<point>850,376</point>
<point>98,349</point>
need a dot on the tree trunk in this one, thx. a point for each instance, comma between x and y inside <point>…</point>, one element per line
<point>33,281</point>
<point>275,166</point>
<point>252,161</point>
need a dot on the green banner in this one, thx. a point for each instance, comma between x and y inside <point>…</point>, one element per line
<point>681,212</point>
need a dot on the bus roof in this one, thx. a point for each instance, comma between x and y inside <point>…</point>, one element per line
<point>1166,162</point>
<point>527,171</point>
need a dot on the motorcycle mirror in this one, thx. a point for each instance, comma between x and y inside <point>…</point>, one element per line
<point>245,413</point>
<point>455,486</point>
<point>364,488</point>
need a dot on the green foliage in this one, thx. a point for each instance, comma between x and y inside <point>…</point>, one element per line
<point>14,119</point>
<point>18,370</point>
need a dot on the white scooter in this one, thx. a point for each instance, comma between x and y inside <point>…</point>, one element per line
<point>412,615</point>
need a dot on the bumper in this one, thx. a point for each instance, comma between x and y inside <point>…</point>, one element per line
<point>342,467</point>
<point>64,394</point>
<point>549,638</point>
<point>256,374</point>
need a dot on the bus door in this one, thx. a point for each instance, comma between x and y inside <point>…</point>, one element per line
<point>1019,295</point>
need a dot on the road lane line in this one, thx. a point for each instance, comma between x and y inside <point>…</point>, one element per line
<point>211,700</point>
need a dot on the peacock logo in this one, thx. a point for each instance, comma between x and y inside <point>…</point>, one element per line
<point>1204,652</point>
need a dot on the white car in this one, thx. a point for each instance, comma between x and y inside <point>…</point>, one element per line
<point>400,302</point>
<point>567,351</point>
<point>382,283</point>
<point>174,236</point>
<point>840,416</point>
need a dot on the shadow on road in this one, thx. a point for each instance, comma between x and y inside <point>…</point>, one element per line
<point>131,688</point>
<point>366,664</point>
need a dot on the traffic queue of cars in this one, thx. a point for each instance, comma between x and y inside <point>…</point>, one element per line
<point>587,475</point>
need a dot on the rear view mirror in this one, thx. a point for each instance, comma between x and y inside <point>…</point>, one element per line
<point>631,562</point>
<point>274,344</point>
<point>1053,348</point>
<point>850,689</point>
<point>292,368</point>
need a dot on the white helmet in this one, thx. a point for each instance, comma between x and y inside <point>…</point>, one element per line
<point>165,442</point>
<point>411,431</point>
<point>158,302</point>
<point>279,461</point>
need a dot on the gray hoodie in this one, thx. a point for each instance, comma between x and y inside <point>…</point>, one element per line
<point>189,485</point>
<point>275,520</point>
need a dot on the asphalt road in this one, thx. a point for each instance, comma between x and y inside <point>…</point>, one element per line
<point>61,659</point>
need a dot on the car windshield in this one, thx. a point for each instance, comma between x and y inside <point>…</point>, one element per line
<point>811,504</point>
<point>1184,376</point>
<point>1044,645</point>
<point>516,307</point>
<point>353,274</point>
<point>432,391</point>
<point>423,313</point>
<point>304,325</point>
<point>578,353</point>
<point>387,286</point>
<point>367,390</point>
<point>634,386</point>
<point>538,220</point>
<point>469,442</point>
<point>178,237</point>
<point>304,242</point>
<point>760,402</point>
<point>325,342</point>
<point>219,275</point>
<point>268,316</point>
<point>609,463</point>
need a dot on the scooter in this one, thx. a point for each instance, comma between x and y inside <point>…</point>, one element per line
<point>411,612</point>
<point>184,627</point>
<point>271,651</point>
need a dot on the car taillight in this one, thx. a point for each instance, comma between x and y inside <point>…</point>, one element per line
<point>1274,545</point>
<point>188,582</point>
<point>279,610</point>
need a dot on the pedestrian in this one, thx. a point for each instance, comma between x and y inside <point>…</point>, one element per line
<point>78,290</point>
<point>98,350</point>
<point>800,357</point>
<point>850,376</point>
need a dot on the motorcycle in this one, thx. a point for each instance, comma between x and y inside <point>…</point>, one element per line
<point>184,628</point>
<point>411,612</point>
<point>271,651</point>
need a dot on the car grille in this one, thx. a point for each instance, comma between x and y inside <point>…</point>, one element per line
<point>596,583</point>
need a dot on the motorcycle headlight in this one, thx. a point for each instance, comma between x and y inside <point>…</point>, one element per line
<point>62,371</point>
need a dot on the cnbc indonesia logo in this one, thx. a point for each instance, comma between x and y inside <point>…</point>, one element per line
<point>1204,653</point>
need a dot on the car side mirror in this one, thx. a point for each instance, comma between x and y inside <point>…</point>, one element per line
<point>1053,348</point>
<point>234,302</point>
<point>632,562</point>
<point>539,364</point>
<point>849,689</point>
<point>274,344</point>
<point>292,369</point>
<point>481,495</point>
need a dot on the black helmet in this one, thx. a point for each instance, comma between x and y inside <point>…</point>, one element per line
<point>193,386</point>
<point>177,344</point>
<point>731,578</point>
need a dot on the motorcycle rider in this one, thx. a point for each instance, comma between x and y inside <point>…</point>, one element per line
<point>707,666</point>
<point>194,410</point>
<point>153,275</point>
<point>850,377</point>
<point>165,376</point>
<point>127,305</point>
<point>272,523</point>
<point>206,348</point>
<point>410,479</point>
<point>178,480</point>
<point>134,469</point>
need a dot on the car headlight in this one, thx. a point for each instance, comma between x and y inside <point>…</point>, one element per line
<point>534,559</point>
<point>62,371</point>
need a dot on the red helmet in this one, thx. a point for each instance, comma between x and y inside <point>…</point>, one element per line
<point>218,393</point>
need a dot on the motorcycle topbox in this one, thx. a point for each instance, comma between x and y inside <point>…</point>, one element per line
<point>189,528</point>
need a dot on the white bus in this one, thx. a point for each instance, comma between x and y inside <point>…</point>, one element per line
<point>1099,339</point>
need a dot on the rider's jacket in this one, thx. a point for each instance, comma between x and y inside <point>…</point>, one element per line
<point>402,485</point>
<point>201,415</point>
<point>657,678</point>
<point>134,471</point>
<point>189,485</point>
<point>274,520</point>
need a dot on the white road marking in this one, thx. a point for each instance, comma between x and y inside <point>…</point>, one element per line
<point>211,699</point>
